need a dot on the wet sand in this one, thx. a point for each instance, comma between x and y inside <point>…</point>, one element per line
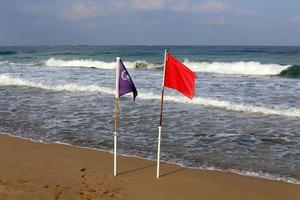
<point>32,170</point>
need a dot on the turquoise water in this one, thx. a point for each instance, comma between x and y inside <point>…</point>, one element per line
<point>244,117</point>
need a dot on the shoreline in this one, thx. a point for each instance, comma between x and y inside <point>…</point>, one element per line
<point>35,170</point>
<point>264,176</point>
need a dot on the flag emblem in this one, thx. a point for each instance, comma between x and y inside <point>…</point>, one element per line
<point>126,84</point>
<point>124,75</point>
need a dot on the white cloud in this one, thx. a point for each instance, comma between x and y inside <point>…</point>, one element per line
<point>89,9</point>
<point>179,6</point>
<point>147,5</point>
<point>211,6</point>
<point>82,10</point>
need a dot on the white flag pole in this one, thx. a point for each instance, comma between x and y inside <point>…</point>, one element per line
<point>116,115</point>
<point>161,116</point>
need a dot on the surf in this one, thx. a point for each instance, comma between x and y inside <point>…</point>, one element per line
<point>237,68</point>
<point>230,68</point>
<point>53,62</point>
<point>291,72</point>
<point>6,80</point>
<point>252,68</point>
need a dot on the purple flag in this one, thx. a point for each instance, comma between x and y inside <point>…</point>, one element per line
<point>125,82</point>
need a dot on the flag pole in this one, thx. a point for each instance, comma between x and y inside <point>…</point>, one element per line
<point>161,115</point>
<point>116,116</point>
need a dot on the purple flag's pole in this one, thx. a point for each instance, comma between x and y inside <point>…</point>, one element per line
<point>116,115</point>
<point>161,116</point>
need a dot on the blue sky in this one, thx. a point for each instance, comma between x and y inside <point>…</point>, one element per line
<point>150,22</point>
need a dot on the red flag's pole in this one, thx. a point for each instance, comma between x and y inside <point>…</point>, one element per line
<point>161,115</point>
<point>116,116</point>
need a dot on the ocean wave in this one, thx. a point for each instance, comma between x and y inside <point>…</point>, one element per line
<point>291,72</point>
<point>231,68</point>
<point>4,62</point>
<point>71,87</point>
<point>8,52</point>
<point>234,68</point>
<point>209,102</point>
<point>9,63</point>
<point>53,62</point>
<point>261,175</point>
<point>238,68</point>
<point>227,105</point>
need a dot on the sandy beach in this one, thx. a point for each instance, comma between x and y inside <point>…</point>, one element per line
<point>33,170</point>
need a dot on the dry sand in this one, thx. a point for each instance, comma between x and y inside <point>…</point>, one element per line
<point>31,170</point>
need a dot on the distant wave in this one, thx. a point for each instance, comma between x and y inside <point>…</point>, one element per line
<point>7,52</point>
<point>291,72</point>
<point>239,68</point>
<point>233,68</point>
<point>53,62</point>
<point>236,68</point>
<point>73,87</point>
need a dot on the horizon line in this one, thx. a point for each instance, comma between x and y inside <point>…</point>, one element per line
<point>148,45</point>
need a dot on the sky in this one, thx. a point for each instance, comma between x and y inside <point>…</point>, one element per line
<point>149,22</point>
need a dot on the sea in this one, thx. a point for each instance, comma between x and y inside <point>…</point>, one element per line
<point>244,118</point>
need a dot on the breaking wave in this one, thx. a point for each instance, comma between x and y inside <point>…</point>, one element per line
<point>3,62</point>
<point>209,102</point>
<point>227,105</point>
<point>9,63</point>
<point>291,72</point>
<point>233,68</point>
<point>239,68</point>
<point>53,62</point>
<point>72,87</point>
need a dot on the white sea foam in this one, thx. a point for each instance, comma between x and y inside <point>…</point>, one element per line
<point>53,62</point>
<point>6,62</point>
<point>239,68</point>
<point>288,112</point>
<point>71,87</point>
<point>3,62</point>
<point>209,102</point>
<point>261,175</point>
<point>264,176</point>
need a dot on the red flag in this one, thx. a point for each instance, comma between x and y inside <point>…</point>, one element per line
<point>179,77</point>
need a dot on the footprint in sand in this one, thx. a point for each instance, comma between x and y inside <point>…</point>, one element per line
<point>96,187</point>
<point>58,192</point>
